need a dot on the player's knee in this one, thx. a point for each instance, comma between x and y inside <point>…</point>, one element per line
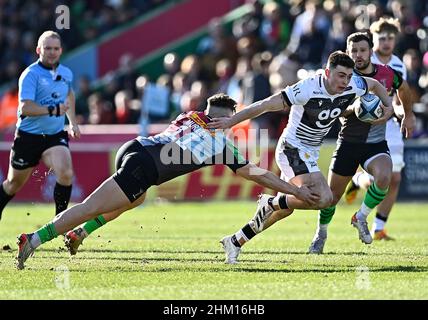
<point>65,177</point>
<point>326,200</point>
<point>395,179</point>
<point>335,199</point>
<point>12,186</point>
<point>383,180</point>
<point>90,209</point>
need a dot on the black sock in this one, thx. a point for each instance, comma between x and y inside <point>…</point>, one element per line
<point>248,231</point>
<point>62,196</point>
<point>381,217</point>
<point>235,241</point>
<point>4,199</point>
<point>282,201</point>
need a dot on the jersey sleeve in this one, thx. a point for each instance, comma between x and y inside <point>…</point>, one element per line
<point>70,82</point>
<point>297,94</point>
<point>232,157</point>
<point>398,79</point>
<point>27,86</point>
<point>360,85</point>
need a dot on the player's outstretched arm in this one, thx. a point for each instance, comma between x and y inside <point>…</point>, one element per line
<point>378,89</point>
<point>273,103</point>
<point>269,180</point>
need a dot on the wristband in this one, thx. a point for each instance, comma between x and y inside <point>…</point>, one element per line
<point>57,110</point>
<point>50,110</point>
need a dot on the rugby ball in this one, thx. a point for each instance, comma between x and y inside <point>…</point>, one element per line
<point>368,108</point>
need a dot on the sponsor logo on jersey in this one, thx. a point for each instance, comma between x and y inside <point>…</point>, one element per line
<point>44,81</point>
<point>360,83</point>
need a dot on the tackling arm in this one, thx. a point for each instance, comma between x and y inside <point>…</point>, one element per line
<point>271,181</point>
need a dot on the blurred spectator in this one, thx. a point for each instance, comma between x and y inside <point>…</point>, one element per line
<point>311,46</point>
<point>313,17</point>
<point>100,111</point>
<point>230,58</point>
<point>275,30</point>
<point>21,20</point>
<point>127,74</point>
<point>224,72</point>
<point>9,106</point>
<point>413,64</point>
<point>171,63</point>
<point>82,107</point>
<point>249,24</point>
<point>256,86</point>
<point>234,88</point>
<point>195,98</point>
<point>340,28</point>
<point>286,66</point>
<point>215,46</point>
<point>125,110</point>
<point>178,88</point>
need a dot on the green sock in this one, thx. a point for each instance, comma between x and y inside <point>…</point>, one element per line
<point>92,225</point>
<point>374,195</point>
<point>325,215</point>
<point>47,232</point>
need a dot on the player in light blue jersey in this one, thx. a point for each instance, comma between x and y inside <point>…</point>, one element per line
<point>45,97</point>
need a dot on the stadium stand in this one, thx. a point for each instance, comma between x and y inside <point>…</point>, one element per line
<point>249,53</point>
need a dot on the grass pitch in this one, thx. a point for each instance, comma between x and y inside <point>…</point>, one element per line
<point>171,251</point>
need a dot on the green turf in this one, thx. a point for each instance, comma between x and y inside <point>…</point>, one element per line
<point>171,251</point>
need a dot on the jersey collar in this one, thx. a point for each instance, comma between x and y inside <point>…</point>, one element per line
<point>46,67</point>
<point>371,74</point>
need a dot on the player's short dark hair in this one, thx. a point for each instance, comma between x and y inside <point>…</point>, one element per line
<point>340,58</point>
<point>222,100</point>
<point>360,36</point>
<point>389,25</point>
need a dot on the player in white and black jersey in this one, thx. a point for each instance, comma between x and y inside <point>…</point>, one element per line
<point>314,103</point>
<point>384,38</point>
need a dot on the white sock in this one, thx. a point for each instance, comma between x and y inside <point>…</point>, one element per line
<point>35,240</point>
<point>84,234</point>
<point>323,227</point>
<point>356,177</point>
<point>364,212</point>
<point>378,224</point>
<point>240,236</point>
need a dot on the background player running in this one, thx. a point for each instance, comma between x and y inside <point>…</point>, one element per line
<point>361,143</point>
<point>384,33</point>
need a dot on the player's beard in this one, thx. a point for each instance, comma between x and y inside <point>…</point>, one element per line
<point>364,66</point>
